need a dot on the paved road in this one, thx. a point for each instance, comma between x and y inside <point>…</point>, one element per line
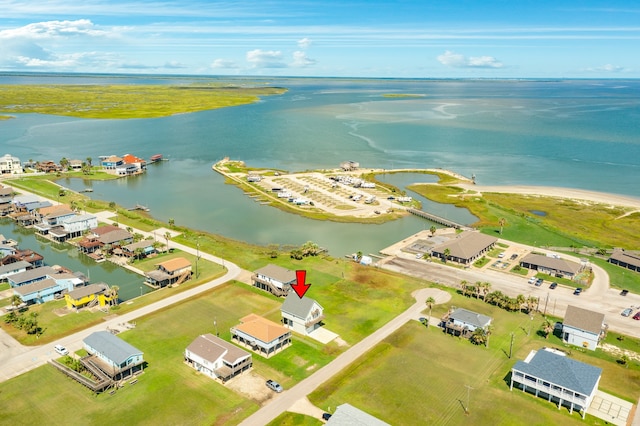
<point>19,359</point>
<point>286,399</point>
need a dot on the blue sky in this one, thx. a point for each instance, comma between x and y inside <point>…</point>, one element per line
<point>346,38</point>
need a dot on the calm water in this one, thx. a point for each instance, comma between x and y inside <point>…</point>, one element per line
<point>577,133</point>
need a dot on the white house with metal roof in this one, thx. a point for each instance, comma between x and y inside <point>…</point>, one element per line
<point>550,374</point>
<point>462,321</point>
<point>217,358</point>
<point>582,327</point>
<point>113,355</point>
<point>274,279</point>
<point>348,415</point>
<point>302,315</point>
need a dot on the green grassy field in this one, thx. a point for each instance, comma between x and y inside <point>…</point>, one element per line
<point>420,375</point>
<point>295,419</point>
<point>125,101</point>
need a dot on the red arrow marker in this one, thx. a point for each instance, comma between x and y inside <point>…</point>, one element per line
<point>300,287</point>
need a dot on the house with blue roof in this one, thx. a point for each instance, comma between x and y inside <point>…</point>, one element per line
<point>552,375</point>
<point>113,355</point>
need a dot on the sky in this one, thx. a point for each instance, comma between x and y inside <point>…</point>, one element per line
<point>324,38</point>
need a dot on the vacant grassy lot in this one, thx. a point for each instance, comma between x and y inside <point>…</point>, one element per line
<point>125,101</point>
<point>420,375</point>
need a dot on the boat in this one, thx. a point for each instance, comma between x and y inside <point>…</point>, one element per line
<point>155,158</point>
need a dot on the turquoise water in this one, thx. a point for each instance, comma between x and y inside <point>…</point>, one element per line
<point>576,133</point>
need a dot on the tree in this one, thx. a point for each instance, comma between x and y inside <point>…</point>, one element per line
<point>430,302</point>
<point>310,249</point>
<point>463,287</point>
<point>89,160</point>
<point>547,328</point>
<point>167,237</point>
<point>296,254</point>
<point>502,222</point>
<point>446,254</point>
<point>30,324</point>
<point>624,360</point>
<point>172,222</point>
<point>16,301</point>
<point>113,294</point>
<point>479,336</point>
<point>432,230</point>
<point>64,163</point>
<point>521,299</point>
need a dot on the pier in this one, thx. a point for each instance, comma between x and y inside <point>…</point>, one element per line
<point>139,207</point>
<point>437,219</point>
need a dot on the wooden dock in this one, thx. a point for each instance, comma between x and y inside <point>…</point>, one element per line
<point>139,207</point>
<point>437,219</point>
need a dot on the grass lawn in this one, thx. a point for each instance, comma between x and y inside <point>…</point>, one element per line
<point>420,375</point>
<point>294,419</point>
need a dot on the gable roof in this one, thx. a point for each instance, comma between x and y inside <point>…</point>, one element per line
<point>115,236</point>
<point>104,229</point>
<point>470,317</point>
<point>466,245</point>
<point>20,264</point>
<point>32,274</point>
<point>348,415</point>
<point>261,328</point>
<point>278,273</point>
<point>35,287</point>
<point>551,263</point>
<point>44,211</point>
<point>583,319</point>
<point>85,291</point>
<point>111,347</point>
<point>298,307</point>
<point>143,244</point>
<point>629,258</point>
<point>175,264</point>
<point>211,348</point>
<point>561,370</point>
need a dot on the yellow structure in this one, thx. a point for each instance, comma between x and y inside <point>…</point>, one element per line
<point>89,296</point>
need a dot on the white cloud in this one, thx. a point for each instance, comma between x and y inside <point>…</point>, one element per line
<point>304,43</point>
<point>457,60</point>
<point>607,68</point>
<point>300,60</point>
<point>53,29</point>
<point>223,63</point>
<point>265,59</point>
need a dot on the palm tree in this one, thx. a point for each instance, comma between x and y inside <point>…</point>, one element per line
<point>172,222</point>
<point>113,294</point>
<point>432,230</point>
<point>486,286</point>
<point>16,301</point>
<point>547,328</point>
<point>463,286</point>
<point>488,331</point>
<point>446,254</point>
<point>521,299</point>
<point>479,336</point>
<point>167,237</point>
<point>64,163</point>
<point>502,222</point>
<point>430,302</point>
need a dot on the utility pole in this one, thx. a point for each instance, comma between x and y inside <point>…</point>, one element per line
<point>469,389</point>
<point>215,324</point>
<point>511,346</point>
<point>545,304</point>
<point>197,256</point>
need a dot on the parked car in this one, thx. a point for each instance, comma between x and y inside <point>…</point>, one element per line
<point>637,316</point>
<point>419,255</point>
<point>532,280</point>
<point>626,312</point>
<point>513,256</point>
<point>501,255</point>
<point>274,386</point>
<point>539,282</point>
<point>624,292</point>
<point>553,285</point>
<point>577,291</point>
<point>326,416</point>
<point>61,349</point>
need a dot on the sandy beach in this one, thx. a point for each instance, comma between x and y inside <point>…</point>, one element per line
<point>567,193</point>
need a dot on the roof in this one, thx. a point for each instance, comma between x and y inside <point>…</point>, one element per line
<point>143,244</point>
<point>298,307</point>
<point>470,317</point>
<point>561,370</point>
<point>87,291</point>
<point>112,159</point>
<point>348,415</point>
<point>278,273</point>
<point>35,287</point>
<point>56,211</point>
<point>211,348</point>
<point>583,319</point>
<point>115,236</point>
<point>551,263</point>
<point>21,264</point>
<point>466,245</point>
<point>32,274</point>
<point>104,229</point>
<point>261,328</point>
<point>175,264</point>
<point>129,158</point>
<point>626,257</point>
<point>80,218</point>
<point>111,347</point>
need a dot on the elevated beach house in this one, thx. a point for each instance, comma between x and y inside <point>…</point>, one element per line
<point>302,315</point>
<point>274,279</point>
<point>462,322</point>
<point>174,271</point>
<point>217,358</point>
<point>261,335</point>
<point>113,355</point>
<point>582,327</point>
<point>89,296</point>
<point>551,375</point>
<point>10,164</point>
